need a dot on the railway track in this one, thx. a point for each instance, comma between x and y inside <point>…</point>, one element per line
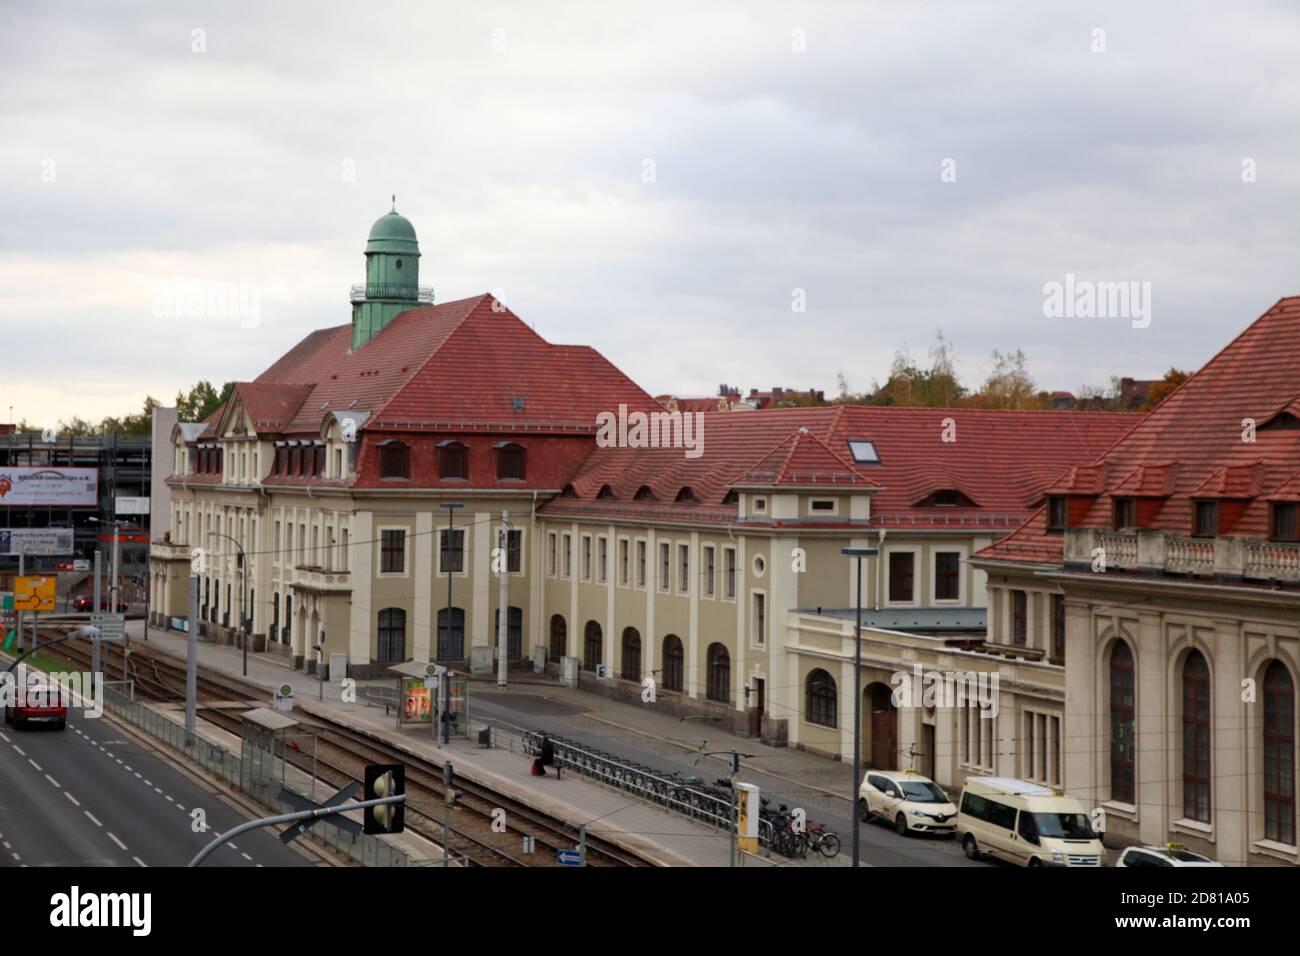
<point>342,754</point>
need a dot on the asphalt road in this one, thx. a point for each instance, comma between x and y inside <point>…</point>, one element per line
<point>87,796</point>
<point>881,846</point>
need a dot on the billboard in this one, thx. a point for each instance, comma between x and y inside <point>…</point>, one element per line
<point>49,487</point>
<point>36,541</point>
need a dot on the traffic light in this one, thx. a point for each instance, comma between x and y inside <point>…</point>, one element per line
<point>385,780</point>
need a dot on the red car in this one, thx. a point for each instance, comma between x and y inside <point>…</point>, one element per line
<point>37,704</point>
<point>86,601</point>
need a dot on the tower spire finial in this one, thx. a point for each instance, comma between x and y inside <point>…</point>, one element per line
<point>394,202</point>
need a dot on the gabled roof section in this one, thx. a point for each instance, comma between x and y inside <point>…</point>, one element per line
<point>1147,481</point>
<point>1202,427</point>
<point>801,461</point>
<point>268,405</point>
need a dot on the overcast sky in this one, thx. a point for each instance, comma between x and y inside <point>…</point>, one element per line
<point>653,179</point>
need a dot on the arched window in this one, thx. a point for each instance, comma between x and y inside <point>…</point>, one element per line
<point>392,636</point>
<point>510,460</point>
<point>514,632</point>
<point>821,697</point>
<point>643,494</point>
<point>1279,754</point>
<point>559,638</point>
<point>451,640</point>
<point>631,654</point>
<point>719,686</point>
<point>394,460</point>
<point>674,663</point>
<point>453,460</point>
<point>685,494</point>
<point>1121,723</point>
<point>593,647</point>
<point>1196,738</point>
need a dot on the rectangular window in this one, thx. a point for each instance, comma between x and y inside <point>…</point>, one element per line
<point>947,576</point>
<point>514,551</point>
<point>1057,511</point>
<point>1207,519</point>
<point>344,557</point>
<point>665,566</point>
<point>1041,750</point>
<point>568,556</point>
<point>586,557</point>
<point>640,564</point>
<point>902,572</point>
<point>823,506</point>
<point>602,559</point>
<point>1019,618</point>
<point>622,562</point>
<point>708,570</point>
<point>760,619</point>
<point>550,553</point>
<point>392,552</point>
<point>1283,521</point>
<point>451,551</point>
<point>684,568</point>
<point>1058,628</point>
<point>1122,513</point>
<point>760,505</point>
<point>729,573</point>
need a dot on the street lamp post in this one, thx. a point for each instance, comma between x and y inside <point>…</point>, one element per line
<point>451,507</point>
<point>243,631</point>
<point>858,553</point>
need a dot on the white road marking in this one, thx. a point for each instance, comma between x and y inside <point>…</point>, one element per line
<point>72,798</point>
<point>8,845</point>
<point>17,857</point>
<point>92,819</point>
<point>137,773</point>
<point>157,789</point>
<point>168,797</point>
<point>117,841</point>
<point>247,857</point>
<point>126,766</point>
<point>20,750</point>
<point>39,768</point>
<point>53,781</point>
<point>5,737</point>
<point>140,861</point>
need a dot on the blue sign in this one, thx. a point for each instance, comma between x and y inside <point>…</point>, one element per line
<point>568,857</point>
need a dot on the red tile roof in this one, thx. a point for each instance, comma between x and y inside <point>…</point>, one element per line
<point>1196,444</point>
<point>1002,459</point>
<point>802,461</point>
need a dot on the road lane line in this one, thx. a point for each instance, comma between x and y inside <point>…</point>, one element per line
<point>39,768</point>
<point>72,798</point>
<point>247,857</point>
<point>5,737</point>
<point>92,819</point>
<point>140,861</point>
<point>20,750</point>
<point>117,841</point>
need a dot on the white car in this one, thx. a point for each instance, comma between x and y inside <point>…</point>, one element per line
<point>1171,854</point>
<point>908,801</point>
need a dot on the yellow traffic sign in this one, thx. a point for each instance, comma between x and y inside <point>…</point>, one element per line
<point>34,593</point>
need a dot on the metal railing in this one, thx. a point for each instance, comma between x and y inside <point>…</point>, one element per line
<point>687,796</point>
<point>409,293</point>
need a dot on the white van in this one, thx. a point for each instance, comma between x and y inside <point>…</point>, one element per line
<point>1025,823</point>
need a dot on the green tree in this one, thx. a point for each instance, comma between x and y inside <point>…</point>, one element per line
<point>201,401</point>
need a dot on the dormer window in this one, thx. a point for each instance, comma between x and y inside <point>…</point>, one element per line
<point>453,460</point>
<point>394,460</point>
<point>1123,513</point>
<point>605,492</point>
<point>510,461</point>
<point>1057,514</point>
<point>568,492</point>
<point>945,499</point>
<point>644,494</point>
<point>1206,519</point>
<point>731,497</point>
<point>760,505</point>
<point>1282,521</point>
<point>685,494</point>
<point>295,461</point>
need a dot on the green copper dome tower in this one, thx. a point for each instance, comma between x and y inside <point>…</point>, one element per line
<point>392,277</point>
